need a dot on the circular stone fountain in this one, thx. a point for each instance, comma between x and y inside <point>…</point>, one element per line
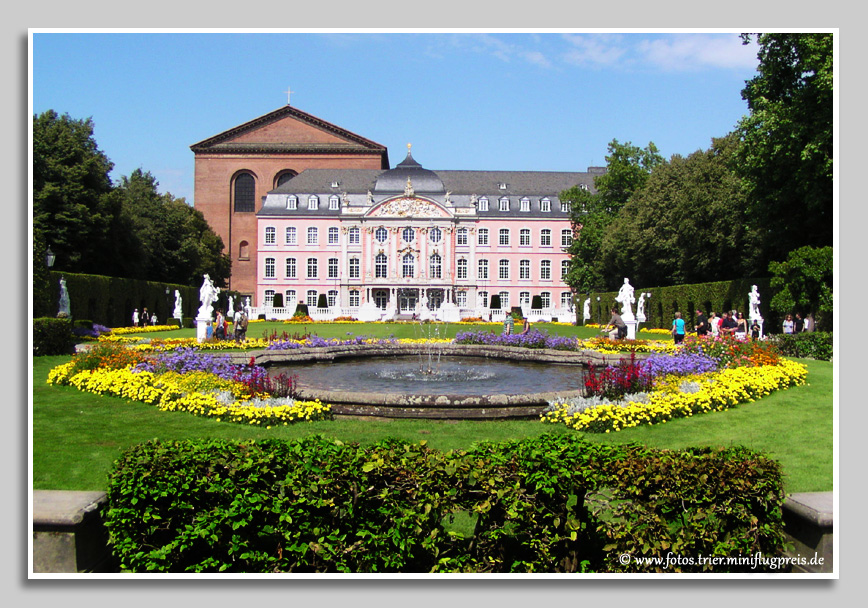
<point>398,380</point>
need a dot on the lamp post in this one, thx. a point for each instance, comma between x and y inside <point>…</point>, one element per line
<point>168,305</point>
<point>599,312</point>
<point>49,257</point>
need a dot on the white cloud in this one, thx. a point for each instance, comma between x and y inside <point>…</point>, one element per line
<point>680,52</point>
<point>594,50</point>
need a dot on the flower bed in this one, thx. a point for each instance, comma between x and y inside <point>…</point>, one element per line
<point>186,380</point>
<point>702,376</point>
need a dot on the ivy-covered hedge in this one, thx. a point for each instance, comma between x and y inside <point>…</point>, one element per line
<point>811,345</point>
<point>554,503</point>
<point>52,336</point>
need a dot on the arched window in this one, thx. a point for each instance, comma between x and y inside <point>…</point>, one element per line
<point>436,267</point>
<point>245,193</point>
<point>408,265</point>
<point>284,177</point>
<point>243,250</point>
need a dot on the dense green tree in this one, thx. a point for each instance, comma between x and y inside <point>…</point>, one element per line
<point>627,169</point>
<point>171,242</point>
<point>72,203</point>
<point>686,224</point>
<point>804,284</point>
<point>787,156</point>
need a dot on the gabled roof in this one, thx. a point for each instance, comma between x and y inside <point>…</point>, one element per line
<point>226,142</point>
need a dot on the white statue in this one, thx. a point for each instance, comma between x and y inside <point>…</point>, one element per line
<point>177,313</point>
<point>586,313</point>
<point>640,307</point>
<point>625,297</point>
<point>230,310</point>
<point>63,309</point>
<point>754,304</point>
<point>207,295</point>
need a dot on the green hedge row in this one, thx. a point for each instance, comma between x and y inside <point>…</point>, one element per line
<point>110,301</point>
<point>811,345</point>
<point>554,503</point>
<point>664,302</point>
<point>52,336</point>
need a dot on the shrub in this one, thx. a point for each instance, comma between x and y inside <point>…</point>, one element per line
<point>52,336</point>
<point>553,503</point>
<point>809,345</point>
<point>277,302</point>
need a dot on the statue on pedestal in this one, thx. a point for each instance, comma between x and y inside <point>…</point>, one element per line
<point>625,297</point>
<point>63,309</point>
<point>586,312</point>
<point>178,312</point>
<point>207,295</point>
<point>754,304</point>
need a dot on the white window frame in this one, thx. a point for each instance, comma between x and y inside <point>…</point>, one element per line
<point>503,270</point>
<point>354,235</point>
<point>334,235</point>
<point>503,203</point>
<point>525,204</point>
<point>461,236</point>
<point>355,268</point>
<point>482,269</point>
<point>270,268</point>
<point>545,205</point>
<point>524,269</point>
<point>408,266</point>
<point>482,236</point>
<point>291,268</point>
<point>381,232</point>
<point>545,270</point>
<point>545,237</point>
<point>291,235</point>
<point>270,235</point>
<point>566,237</point>
<point>312,268</point>
<point>482,204</point>
<point>313,202</point>
<point>461,268</point>
<point>503,237</point>
<point>333,266</point>
<point>334,202</point>
<point>381,266</point>
<point>312,235</point>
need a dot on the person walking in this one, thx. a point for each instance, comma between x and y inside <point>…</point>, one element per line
<point>713,324</point>
<point>788,324</point>
<point>678,328</point>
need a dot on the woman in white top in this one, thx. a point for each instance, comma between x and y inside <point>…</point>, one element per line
<point>713,323</point>
<point>788,324</point>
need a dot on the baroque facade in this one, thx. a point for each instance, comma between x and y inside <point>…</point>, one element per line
<point>370,242</point>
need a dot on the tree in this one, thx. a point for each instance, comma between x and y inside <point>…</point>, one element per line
<point>171,241</point>
<point>787,156</point>
<point>72,203</point>
<point>685,225</point>
<point>627,169</point>
<point>804,284</point>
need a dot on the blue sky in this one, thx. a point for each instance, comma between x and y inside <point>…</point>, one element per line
<point>498,100</point>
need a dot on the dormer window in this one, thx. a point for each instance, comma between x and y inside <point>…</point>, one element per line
<point>335,184</point>
<point>545,205</point>
<point>334,202</point>
<point>292,202</point>
<point>504,204</point>
<point>525,204</point>
<point>483,204</point>
<point>313,202</point>
<point>502,185</point>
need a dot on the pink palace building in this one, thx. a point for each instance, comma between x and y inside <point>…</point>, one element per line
<point>410,242</point>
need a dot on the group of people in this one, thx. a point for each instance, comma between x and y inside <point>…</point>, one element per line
<point>142,320</point>
<point>798,325</point>
<point>239,322</point>
<point>509,326</point>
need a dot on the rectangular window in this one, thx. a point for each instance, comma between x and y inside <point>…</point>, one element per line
<point>546,298</point>
<point>312,296</point>
<point>313,202</point>
<point>312,269</point>
<point>355,235</point>
<point>524,269</point>
<point>289,297</point>
<point>566,300</point>
<point>355,299</point>
<point>504,204</point>
<point>333,268</point>
<point>545,270</point>
<point>312,236</point>
<point>565,206</point>
<point>504,300</point>
<point>566,237</point>
<point>482,299</point>
<point>269,297</point>
<point>292,202</point>
<point>332,297</point>
<point>461,236</point>
<point>270,235</point>
<point>524,237</point>
<point>333,236</point>
<point>290,268</point>
<point>291,238</point>
<point>525,204</point>
<point>354,268</point>
<point>461,299</point>
<point>482,237</point>
<point>503,269</point>
<point>503,236</point>
<point>545,205</point>
<point>545,237</point>
<point>269,268</point>
<point>461,268</point>
<point>565,268</point>
<point>483,204</point>
<point>482,269</point>
<point>334,202</point>
<point>524,299</point>
<point>380,266</point>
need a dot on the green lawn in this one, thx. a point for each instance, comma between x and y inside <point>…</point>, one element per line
<point>77,436</point>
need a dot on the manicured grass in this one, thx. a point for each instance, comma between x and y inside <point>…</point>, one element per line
<point>77,436</point>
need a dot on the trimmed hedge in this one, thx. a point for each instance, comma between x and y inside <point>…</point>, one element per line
<point>52,336</point>
<point>808,345</point>
<point>554,503</point>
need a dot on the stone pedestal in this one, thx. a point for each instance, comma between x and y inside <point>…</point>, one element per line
<point>631,329</point>
<point>450,313</point>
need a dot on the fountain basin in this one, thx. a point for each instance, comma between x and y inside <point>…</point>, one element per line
<point>418,404</point>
